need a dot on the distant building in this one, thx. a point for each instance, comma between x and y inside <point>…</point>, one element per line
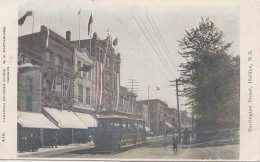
<point>157,115</point>
<point>142,109</point>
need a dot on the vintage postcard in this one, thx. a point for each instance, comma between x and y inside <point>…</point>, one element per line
<point>155,80</point>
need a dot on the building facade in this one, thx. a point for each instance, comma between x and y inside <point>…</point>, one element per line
<point>29,88</point>
<point>54,55</point>
<point>84,82</point>
<point>156,115</point>
<point>108,71</point>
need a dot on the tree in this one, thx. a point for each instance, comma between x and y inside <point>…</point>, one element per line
<point>211,77</point>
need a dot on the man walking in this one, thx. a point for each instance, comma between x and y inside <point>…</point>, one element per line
<point>174,144</point>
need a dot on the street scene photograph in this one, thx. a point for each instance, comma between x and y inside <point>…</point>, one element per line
<point>128,80</point>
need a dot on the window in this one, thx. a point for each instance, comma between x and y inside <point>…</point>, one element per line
<point>80,93</point>
<point>67,66</point>
<point>115,83</point>
<point>107,100</point>
<point>87,95</point>
<point>29,85</point>
<point>48,56</point>
<point>29,103</point>
<point>48,94</point>
<point>108,61</point>
<point>58,63</point>
<point>58,92</point>
<point>89,74</point>
<point>84,73</point>
<point>79,66</point>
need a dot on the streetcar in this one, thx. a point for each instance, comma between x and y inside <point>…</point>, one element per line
<point>116,132</point>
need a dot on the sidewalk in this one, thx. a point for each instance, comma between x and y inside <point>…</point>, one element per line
<point>58,149</point>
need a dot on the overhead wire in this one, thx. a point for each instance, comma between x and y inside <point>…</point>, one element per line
<point>162,60</point>
<point>160,38</point>
<point>129,32</point>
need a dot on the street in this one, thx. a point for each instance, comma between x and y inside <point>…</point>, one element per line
<point>156,148</point>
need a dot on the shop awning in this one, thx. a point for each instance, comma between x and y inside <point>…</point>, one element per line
<point>169,125</point>
<point>65,119</point>
<point>34,120</point>
<point>87,119</point>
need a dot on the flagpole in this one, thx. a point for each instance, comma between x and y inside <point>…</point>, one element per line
<point>33,21</point>
<point>79,28</point>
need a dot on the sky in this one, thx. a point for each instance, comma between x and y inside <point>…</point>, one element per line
<point>147,34</point>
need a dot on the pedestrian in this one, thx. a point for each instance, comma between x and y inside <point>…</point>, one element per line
<point>175,144</point>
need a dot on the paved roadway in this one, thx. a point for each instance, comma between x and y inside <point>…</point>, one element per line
<point>156,148</point>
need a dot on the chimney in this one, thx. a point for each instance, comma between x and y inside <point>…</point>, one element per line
<point>68,35</point>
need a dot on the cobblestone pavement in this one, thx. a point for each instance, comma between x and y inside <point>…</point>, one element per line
<point>157,148</point>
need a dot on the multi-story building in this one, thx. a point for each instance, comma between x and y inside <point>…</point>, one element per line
<point>54,55</point>
<point>157,115</point>
<point>84,82</point>
<point>142,109</point>
<point>108,71</point>
<point>31,121</point>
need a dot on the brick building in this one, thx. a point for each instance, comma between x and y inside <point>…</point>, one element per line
<point>157,115</point>
<point>108,71</point>
<point>54,55</point>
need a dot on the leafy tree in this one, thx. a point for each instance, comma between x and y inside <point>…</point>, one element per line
<point>211,77</point>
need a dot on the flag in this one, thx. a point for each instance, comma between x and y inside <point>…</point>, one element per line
<point>157,88</point>
<point>85,68</point>
<point>66,93</point>
<point>22,19</point>
<point>89,23</point>
<point>79,12</point>
<point>115,41</point>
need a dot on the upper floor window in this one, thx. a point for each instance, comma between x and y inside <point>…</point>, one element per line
<point>58,63</point>
<point>58,92</point>
<point>67,66</point>
<point>84,73</point>
<point>48,57</point>
<point>78,67</point>
<point>80,93</point>
<point>87,95</point>
<point>48,94</point>
<point>29,103</point>
<point>108,61</point>
<point>29,84</point>
<point>89,74</point>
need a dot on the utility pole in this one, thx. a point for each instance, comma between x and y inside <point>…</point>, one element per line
<point>149,110</point>
<point>178,107</point>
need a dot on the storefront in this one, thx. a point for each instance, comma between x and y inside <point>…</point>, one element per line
<point>31,128</point>
<point>71,126</point>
